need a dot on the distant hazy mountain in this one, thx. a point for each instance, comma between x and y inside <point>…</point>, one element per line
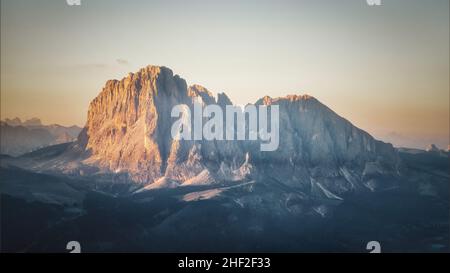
<point>13,122</point>
<point>19,137</point>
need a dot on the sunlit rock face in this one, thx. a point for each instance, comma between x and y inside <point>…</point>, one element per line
<point>128,125</point>
<point>128,135</point>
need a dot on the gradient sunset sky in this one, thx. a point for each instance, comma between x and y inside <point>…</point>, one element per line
<point>386,68</point>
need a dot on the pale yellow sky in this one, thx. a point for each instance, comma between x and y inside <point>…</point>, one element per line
<point>386,69</point>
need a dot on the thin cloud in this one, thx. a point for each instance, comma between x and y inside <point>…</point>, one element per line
<point>122,62</point>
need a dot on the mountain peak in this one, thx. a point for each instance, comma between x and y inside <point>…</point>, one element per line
<point>267,100</point>
<point>154,70</point>
<point>149,72</point>
<point>300,97</point>
<point>13,122</point>
<point>197,90</point>
<point>32,122</point>
<point>223,100</point>
<point>18,122</point>
<point>432,148</point>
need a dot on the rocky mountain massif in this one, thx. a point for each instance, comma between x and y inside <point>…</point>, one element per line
<point>19,137</point>
<point>127,136</point>
<point>126,185</point>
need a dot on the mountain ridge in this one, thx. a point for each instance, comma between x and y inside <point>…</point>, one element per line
<point>19,137</point>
